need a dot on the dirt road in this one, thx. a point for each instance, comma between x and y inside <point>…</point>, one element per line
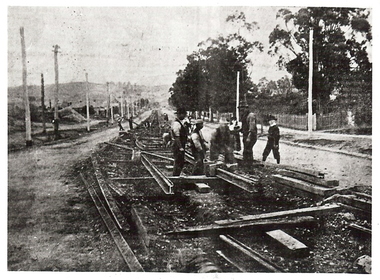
<point>51,222</point>
<point>349,170</point>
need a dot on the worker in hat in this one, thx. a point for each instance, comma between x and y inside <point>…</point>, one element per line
<point>198,147</point>
<point>273,140</point>
<point>179,135</point>
<point>249,131</point>
<point>222,144</point>
<point>120,119</point>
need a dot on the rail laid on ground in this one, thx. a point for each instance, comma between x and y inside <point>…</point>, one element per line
<point>165,184</point>
<point>122,245</point>
<point>115,211</point>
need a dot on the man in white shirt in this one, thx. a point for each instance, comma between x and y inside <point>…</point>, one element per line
<point>198,147</point>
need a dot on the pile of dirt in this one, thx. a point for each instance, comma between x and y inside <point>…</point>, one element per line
<point>68,114</point>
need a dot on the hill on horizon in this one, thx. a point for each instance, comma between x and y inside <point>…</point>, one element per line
<point>74,93</point>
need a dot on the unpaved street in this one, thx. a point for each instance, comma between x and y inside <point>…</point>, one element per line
<point>349,170</point>
<point>50,215</point>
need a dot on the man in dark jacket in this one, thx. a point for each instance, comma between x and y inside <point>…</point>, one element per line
<point>179,135</point>
<point>273,140</point>
<point>249,131</point>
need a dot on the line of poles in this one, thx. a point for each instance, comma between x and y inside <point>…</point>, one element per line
<point>109,110</point>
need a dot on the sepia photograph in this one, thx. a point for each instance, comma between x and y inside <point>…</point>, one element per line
<point>215,138</point>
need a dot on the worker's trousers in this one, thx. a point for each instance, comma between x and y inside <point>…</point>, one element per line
<point>249,140</point>
<point>179,161</point>
<point>271,147</point>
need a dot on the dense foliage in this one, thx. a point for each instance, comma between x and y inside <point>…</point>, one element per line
<point>209,78</point>
<point>340,62</point>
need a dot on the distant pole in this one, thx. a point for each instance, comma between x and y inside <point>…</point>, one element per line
<point>28,123</point>
<point>56,125</point>
<point>133,107</point>
<point>111,114</point>
<point>43,104</point>
<point>126,100</point>
<point>310,93</point>
<point>87,104</point>
<point>108,102</point>
<point>122,103</point>
<point>237,96</point>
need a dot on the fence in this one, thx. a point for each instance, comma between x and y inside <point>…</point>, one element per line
<point>293,121</point>
<point>320,122</point>
<point>332,121</point>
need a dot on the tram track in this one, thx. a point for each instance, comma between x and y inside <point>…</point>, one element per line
<point>147,192</point>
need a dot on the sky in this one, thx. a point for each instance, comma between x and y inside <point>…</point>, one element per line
<point>144,45</point>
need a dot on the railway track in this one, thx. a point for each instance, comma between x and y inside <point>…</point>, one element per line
<point>163,212</point>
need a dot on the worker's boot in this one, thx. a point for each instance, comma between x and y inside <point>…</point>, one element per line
<point>278,161</point>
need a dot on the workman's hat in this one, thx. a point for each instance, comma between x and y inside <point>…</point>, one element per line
<point>272,118</point>
<point>180,111</point>
<point>197,121</point>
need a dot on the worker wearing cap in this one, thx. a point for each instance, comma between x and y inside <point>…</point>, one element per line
<point>198,147</point>
<point>249,131</point>
<point>273,140</point>
<point>179,135</point>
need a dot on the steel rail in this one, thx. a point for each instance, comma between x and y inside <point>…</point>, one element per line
<point>157,156</point>
<point>165,184</point>
<point>192,179</point>
<point>121,244</point>
<point>144,147</point>
<point>189,158</point>
<point>251,253</point>
<point>119,146</point>
<point>114,209</point>
<point>236,180</point>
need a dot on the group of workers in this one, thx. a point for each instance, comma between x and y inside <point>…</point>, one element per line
<point>224,140</point>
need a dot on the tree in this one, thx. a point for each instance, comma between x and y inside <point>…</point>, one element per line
<point>285,86</point>
<point>209,78</point>
<point>335,52</point>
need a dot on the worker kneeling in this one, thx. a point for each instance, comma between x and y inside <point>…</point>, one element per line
<point>198,147</point>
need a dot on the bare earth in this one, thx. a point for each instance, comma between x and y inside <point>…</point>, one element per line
<point>54,226</point>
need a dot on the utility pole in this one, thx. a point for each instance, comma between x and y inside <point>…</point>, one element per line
<point>122,104</point>
<point>126,100</point>
<point>237,97</point>
<point>108,102</point>
<point>28,123</point>
<point>87,104</point>
<point>56,121</point>
<point>310,93</point>
<point>43,103</point>
<point>133,107</point>
<point>111,114</point>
